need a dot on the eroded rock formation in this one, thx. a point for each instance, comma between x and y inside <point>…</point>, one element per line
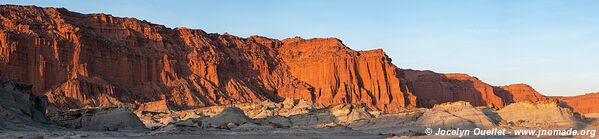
<point>434,88</point>
<point>518,93</point>
<point>586,103</point>
<point>88,60</point>
<point>105,119</point>
<point>341,75</point>
<point>538,114</point>
<point>19,110</point>
<point>458,114</point>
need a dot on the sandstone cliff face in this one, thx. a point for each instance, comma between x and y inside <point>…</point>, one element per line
<point>518,93</point>
<point>586,103</point>
<point>434,88</point>
<point>88,60</point>
<point>341,75</point>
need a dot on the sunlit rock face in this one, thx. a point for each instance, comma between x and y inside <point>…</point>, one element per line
<point>432,88</point>
<point>538,114</point>
<point>341,75</point>
<point>89,60</point>
<point>518,93</point>
<point>458,114</point>
<point>586,103</point>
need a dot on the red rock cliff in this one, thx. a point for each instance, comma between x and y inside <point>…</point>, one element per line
<point>433,88</point>
<point>518,93</point>
<point>341,75</point>
<point>83,60</point>
<point>586,103</point>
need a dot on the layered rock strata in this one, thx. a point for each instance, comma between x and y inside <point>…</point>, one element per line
<point>586,103</point>
<point>89,60</point>
<point>98,60</point>
<point>435,88</point>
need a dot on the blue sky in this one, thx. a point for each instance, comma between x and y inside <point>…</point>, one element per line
<point>552,45</point>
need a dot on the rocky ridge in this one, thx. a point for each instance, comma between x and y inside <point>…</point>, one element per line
<point>289,117</point>
<point>539,114</point>
<point>356,117</point>
<point>586,103</point>
<point>435,88</point>
<point>98,60</point>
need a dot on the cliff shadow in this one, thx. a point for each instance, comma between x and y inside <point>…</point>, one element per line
<point>432,88</point>
<point>505,95</point>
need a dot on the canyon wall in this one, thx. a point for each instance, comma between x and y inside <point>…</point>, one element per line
<point>518,93</point>
<point>90,60</point>
<point>434,88</point>
<point>586,103</point>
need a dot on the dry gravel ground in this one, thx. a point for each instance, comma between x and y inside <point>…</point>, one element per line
<point>212,134</point>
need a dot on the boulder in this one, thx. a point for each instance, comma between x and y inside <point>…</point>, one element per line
<point>104,119</point>
<point>229,115</point>
<point>313,119</point>
<point>295,107</point>
<point>187,123</point>
<point>348,113</point>
<point>113,120</point>
<point>277,121</point>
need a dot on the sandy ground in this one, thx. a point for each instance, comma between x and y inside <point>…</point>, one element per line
<point>292,133</point>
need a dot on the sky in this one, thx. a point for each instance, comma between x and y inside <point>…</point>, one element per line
<point>553,45</point>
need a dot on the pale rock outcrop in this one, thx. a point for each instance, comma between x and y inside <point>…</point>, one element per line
<point>295,107</point>
<point>277,121</point>
<point>105,119</point>
<point>539,114</point>
<point>154,120</point>
<point>318,118</point>
<point>455,115</point>
<point>230,116</point>
<point>286,108</point>
<point>400,124</point>
<point>348,113</point>
<point>114,119</point>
